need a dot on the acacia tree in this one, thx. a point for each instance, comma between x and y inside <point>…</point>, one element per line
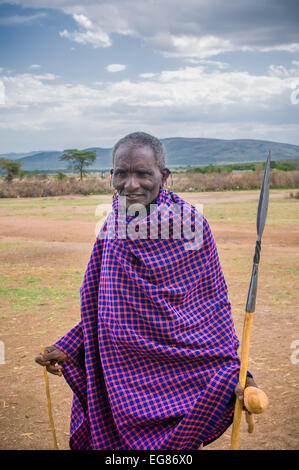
<point>79,160</point>
<point>12,167</point>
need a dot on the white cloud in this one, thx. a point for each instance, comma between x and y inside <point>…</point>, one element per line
<point>21,19</point>
<point>202,47</point>
<point>188,86</point>
<point>205,98</point>
<point>282,71</point>
<point>83,21</point>
<point>35,66</point>
<point>90,33</point>
<point>292,47</point>
<point>213,63</point>
<point>192,29</point>
<point>2,93</point>
<point>199,47</point>
<point>172,99</point>
<point>46,76</point>
<point>116,67</point>
<point>146,75</point>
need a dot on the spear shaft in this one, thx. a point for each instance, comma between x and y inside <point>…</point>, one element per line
<point>251,299</point>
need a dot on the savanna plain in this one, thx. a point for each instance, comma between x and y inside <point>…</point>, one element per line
<point>45,244</point>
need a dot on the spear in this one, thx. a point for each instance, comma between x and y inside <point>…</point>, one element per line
<point>250,307</point>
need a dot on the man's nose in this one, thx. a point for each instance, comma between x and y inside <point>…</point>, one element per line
<point>132,183</point>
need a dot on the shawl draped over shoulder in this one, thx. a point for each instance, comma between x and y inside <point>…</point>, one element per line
<point>153,361</point>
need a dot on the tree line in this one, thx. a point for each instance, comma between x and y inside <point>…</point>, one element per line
<point>78,161</point>
<point>281,165</point>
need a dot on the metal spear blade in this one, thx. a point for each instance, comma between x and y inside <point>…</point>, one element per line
<point>264,198</point>
<point>261,220</point>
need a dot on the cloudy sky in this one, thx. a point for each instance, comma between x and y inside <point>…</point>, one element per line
<point>82,74</point>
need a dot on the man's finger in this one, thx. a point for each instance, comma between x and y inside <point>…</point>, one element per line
<point>52,356</point>
<point>56,370</point>
<point>40,359</point>
<point>239,392</point>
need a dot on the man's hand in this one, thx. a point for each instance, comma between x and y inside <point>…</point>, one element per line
<point>239,392</point>
<point>50,358</point>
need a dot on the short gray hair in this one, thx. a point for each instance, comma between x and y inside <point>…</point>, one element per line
<point>140,139</point>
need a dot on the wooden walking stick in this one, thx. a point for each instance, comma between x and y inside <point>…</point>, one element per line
<point>258,401</point>
<point>49,403</point>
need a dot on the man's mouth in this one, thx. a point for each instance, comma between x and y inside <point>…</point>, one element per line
<point>133,196</point>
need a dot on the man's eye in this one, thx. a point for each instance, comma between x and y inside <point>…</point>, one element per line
<point>143,174</point>
<point>120,173</point>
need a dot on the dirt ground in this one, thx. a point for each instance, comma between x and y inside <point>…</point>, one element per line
<point>42,263</point>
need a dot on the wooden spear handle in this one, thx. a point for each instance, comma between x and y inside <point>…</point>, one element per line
<point>242,379</point>
<point>49,402</point>
<point>255,400</point>
<point>250,421</point>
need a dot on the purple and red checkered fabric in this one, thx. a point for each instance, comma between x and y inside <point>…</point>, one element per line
<point>154,358</point>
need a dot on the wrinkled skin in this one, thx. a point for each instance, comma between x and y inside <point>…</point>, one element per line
<point>239,392</point>
<point>52,359</point>
<point>137,176</point>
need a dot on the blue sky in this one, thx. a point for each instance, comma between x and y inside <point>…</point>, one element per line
<point>83,74</point>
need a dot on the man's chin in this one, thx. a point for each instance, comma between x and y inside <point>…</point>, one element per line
<point>136,200</point>
<point>139,204</point>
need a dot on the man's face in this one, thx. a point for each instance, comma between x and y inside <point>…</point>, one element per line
<point>136,174</point>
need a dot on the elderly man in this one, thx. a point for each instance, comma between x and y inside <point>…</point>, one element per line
<point>153,363</point>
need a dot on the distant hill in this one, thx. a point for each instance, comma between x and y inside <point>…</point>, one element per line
<point>197,152</point>
<point>18,156</point>
<point>180,151</point>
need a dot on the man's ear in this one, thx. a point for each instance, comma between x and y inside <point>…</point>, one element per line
<point>110,177</point>
<point>165,173</point>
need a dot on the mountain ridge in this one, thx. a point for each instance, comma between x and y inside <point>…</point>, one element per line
<point>180,152</point>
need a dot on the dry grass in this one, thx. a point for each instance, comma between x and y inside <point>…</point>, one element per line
<point>51,186</point>
<point>43,186</point>
<point>227,181</point>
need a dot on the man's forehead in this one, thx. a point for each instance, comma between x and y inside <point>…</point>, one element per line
<point>126,156</point>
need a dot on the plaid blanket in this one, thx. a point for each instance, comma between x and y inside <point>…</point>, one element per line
<point>154,358</point>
